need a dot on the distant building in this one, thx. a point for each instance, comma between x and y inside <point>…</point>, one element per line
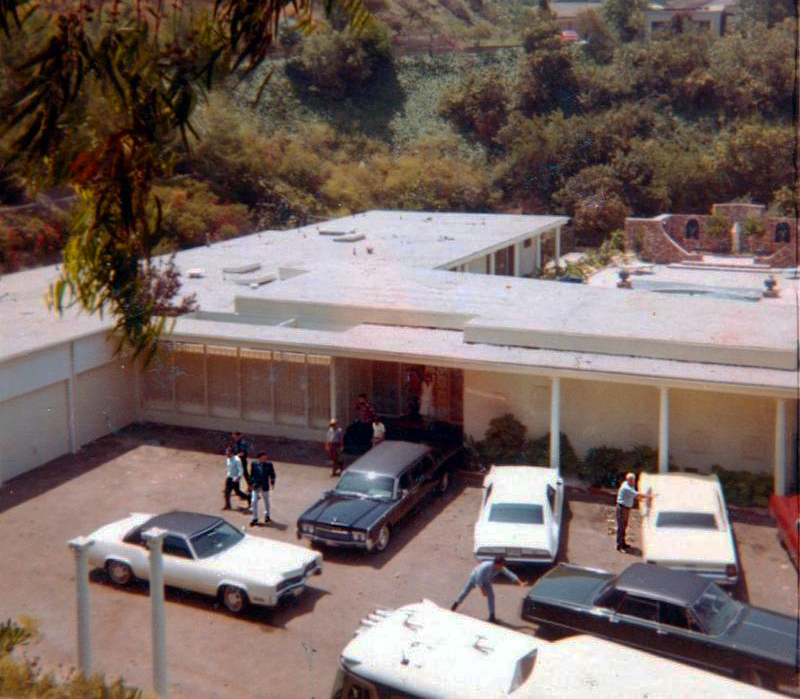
<point>717,16</point>
<point>567,16</point>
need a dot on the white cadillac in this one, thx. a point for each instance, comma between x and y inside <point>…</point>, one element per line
<point>686,527</point>
<point>203,553</point>
<point>521,514</point>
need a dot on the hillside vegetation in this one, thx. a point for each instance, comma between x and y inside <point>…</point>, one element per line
<point>598,131</point>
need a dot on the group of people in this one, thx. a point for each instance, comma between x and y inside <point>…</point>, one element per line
<point>367,420</point>
<point>260,478</point>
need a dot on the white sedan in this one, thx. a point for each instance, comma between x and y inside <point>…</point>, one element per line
<point>685,526</point>
<point>205,554</point>
<point>521,514</point>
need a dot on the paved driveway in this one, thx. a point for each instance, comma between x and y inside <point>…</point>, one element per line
<point>291,652</point>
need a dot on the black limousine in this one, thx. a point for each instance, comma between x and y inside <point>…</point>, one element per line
<point>374,493</point>
<point>673,613</point>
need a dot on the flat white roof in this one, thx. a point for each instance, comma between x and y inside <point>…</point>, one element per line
<point>301,290</point>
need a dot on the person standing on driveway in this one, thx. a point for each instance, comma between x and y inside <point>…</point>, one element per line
<point>240,448</point>
<point>627,495</point>
<point>233,464</point>
<point>378,431</point>
<point>482,577</point>
<point>334,441</point>
<point>262,478</point>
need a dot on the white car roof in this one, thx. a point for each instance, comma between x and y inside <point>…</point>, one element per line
<point>428,652</point>
<point>686,492</point>
<point>520,483</point>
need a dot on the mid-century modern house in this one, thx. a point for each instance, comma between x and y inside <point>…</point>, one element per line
<point>293,325</point>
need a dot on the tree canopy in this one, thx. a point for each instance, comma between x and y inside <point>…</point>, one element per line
<point>96,99</point>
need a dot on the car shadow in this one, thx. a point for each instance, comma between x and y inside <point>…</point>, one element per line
<point>402,533</point>
<point>276,617</point>
<point>272,524</point>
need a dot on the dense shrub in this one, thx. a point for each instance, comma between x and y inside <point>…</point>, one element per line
<point>744,488</point>
<point>338,64</point>
<point>606,466</point>
<point>35,237</point>
<point>479,107</point>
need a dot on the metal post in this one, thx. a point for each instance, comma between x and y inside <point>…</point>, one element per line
<point>558,246</point>
<point>663,431</point>
<point>555,422</point>
<point>80,547</point>
<point>155,541</point>
<point>779,482</point>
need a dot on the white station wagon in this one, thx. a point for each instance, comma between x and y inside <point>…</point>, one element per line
<point>521,514</point>
<point>686,527</point>
<point>205,554</point>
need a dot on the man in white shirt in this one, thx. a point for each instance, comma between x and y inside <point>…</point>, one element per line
<point>334,440</point>
<point>378,431</point>
<point>233,465</point>
<point>627,495</point>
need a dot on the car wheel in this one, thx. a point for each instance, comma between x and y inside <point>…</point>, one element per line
<point>234,599</point>
<point>443,484</point>
<point>757,678</point>
<point>383,538</point>
<point>119,572</point>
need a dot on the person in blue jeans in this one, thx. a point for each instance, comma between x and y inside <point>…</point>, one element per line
<point>482,577</point>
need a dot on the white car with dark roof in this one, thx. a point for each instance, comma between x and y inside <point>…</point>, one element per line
<point>205,554</point>
<point>686,527</point>
<point>521,514</point>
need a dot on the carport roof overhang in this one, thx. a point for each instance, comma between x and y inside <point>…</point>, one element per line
<point>446,348</point>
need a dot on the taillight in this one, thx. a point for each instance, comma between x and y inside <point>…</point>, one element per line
<point>731,571</point>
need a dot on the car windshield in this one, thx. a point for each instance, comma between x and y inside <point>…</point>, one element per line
<point>516,514</point>
<point>715,609</point>
<point>216,540</point>
<point>371,485</point>
<point>686,520</point>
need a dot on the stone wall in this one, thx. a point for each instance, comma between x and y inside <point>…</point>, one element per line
<point>663,239</point>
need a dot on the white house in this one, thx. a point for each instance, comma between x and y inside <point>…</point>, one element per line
<point>293,325</point>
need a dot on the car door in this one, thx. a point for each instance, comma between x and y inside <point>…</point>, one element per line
<point>424,474</point>
<point>635,622</point>
<point>680,636</point>
<point>180,568</point>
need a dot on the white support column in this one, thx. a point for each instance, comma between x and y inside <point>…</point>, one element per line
<point>491,263</point>
<point>239,395</point>
<point>306,391</point>
<point>333,386</point>
<point>558,246</point>
<point>779,477</point>
<point>205,380</point>
<point>72,409</point>
<point>80,547</point>
<point>155,541</point>
<point>518,259</point>
<point>555,422</point>
<point>663,430</point>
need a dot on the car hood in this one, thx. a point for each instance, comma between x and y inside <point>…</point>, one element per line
<point>346,511</point>
<point>569,584</point>
<point>518,535</point>
<point>265,560</point>
<point>674,546</point>
<point>765,633</point>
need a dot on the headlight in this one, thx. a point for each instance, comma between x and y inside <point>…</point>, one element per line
<point>307,528</point>
<point>359,536</point>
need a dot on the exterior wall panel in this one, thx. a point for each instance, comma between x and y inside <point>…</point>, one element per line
<point>35,429</point>
<point>104,401</point>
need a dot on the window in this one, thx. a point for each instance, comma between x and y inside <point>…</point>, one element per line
<point>421,470</point>
<point>488,493</point>
<point>692,231</point>
<point>672,615</point>
<point>687,520</point>
<point>516,514</point>
<point>610,599</point>
<point>551,497</point>
<point>782,233</point>
<point>528,242</point>
<point>176,546</point>
<point>639,607</point>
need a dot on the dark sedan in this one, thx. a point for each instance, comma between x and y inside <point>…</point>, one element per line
<point>374,493</point>
<point>673,613</point>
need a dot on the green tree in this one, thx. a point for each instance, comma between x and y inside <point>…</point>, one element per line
<point>625,18</point>
<point>600,42</point>
<point>100,97</point>
<point>479,108</point>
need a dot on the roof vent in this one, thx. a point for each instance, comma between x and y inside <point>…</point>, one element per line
<point>351,238</point>
<point>242,269</point>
